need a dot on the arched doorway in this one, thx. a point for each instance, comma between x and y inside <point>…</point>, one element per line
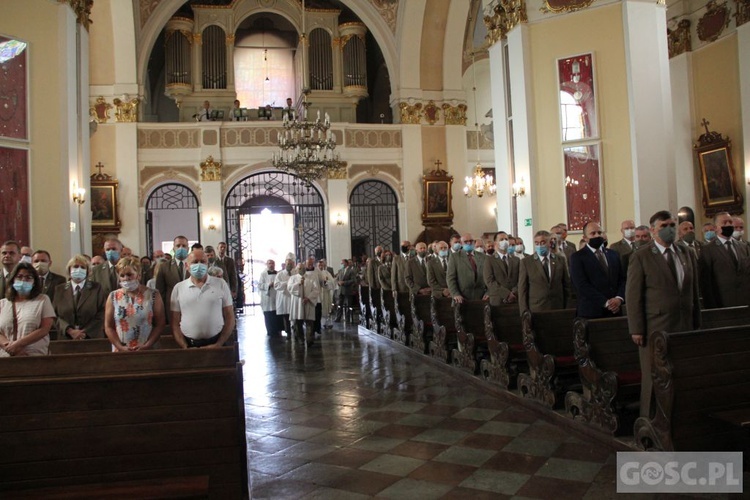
<point>171,210</point>
<point>294,206</point>
<point>373,215</point>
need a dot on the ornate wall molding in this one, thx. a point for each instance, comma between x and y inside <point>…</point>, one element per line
<point>501,16</point>
<point>168,138</point>
<point>678,39</point>
<point>454,115</point>
<point>414,112</point>
<point>742,14</point>
<point>411,114</point>
<point>564,6</point>
<point>372,139</point>
<point>126,110</point>
<point>210,170</point>
<point>713,22</point>
<point>99,111</point>
<point>82,10</point>
<point>340,174</point>
<point>388,10</point>
<point>151,177</point>
<point>146,8</point>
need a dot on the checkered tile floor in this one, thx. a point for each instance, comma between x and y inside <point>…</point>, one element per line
<point>356,417</point>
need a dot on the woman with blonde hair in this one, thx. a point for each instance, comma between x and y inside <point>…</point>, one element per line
<point>134,315</point>
<point>79,303</point>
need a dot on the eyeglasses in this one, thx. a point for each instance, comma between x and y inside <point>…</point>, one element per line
<point>24,277</point>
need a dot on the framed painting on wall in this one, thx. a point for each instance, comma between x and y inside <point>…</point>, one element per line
<point>582,185</point>
<point>14,195</point>
<point>104,214</point>
<point>714,155</point>
<point>437,198</point>
<point>13,89</point>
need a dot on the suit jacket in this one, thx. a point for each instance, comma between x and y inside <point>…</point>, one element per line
<point>625,249</point>
<point>723,284</point>
<point>501,277</point>
<point>230,272</point>
<point>106,278</point>
<point>384,276</point>
<point>348,276</point>
<point>595,286</point>
<point>535,292</point>
<point>166,279</point>
<point>398,274</point>
<point>436,276</point>
<point>568,250</point>
<point>461,278</point>
<point>371,273</point>
<point>695,247</point>
<point>416,274</point>
<point>88,313</point>
<point>51,281</point>
<point>2,283</point>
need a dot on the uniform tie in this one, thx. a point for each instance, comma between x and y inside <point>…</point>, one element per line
<point>445,264</point>
<point>182,270</point>
<point>545,268</point>
<point>602,260</point>
<point>671,264</point>
<point>731,253</point>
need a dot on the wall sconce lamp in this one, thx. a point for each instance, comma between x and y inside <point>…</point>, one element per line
<point>519,188</point>
<point>211,225</point>
<point>79,195</point>
<point>339,219</point>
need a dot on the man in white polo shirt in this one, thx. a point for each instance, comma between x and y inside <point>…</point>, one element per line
<point>202,311</point>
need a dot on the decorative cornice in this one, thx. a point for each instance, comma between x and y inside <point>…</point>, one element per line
<point>431,113</point>
<point>411,114</point>
<point>388,10</point>
<point>564,6</point>
<point>742,14</point>
<point>712,24</point>
<point>82,10</point>
<point>454,115</point>
<point>503,17</point>
<point>99,111</point>
<point>415,112</point>
<point>678,39</point>
<point>210,170</point>
<point>338,174</point>
<point>126,111</point>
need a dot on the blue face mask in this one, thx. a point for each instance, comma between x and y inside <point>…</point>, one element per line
<point>512,249</point>
<point>23,287</point>
<point>443,253</point>
<point>541,250</point>
<point>710,235</point>
<point>112,255</point>
<point>78,274</point>
<point>456,247</point>
<point>198,270</point>
<point>180,253</point>
<point>468,247</point>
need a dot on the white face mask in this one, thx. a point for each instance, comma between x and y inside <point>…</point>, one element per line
<point>503,245</point>
<point>738,234</point>
<point>129,285</point>
<point>26,259</point>
<point>42,268</point>
<point>629,233</point>
<point>519,248</point>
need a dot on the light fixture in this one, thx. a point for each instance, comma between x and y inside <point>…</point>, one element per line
<point>211,224</point>
<point>79,195</point>
<point>479,182</point>
<point>307,148</point>
<point>339,220</point>
<point>519,188</point>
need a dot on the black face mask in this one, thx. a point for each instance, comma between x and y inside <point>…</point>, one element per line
<point>726,231</point>
<point>378,254</point>
<point>309,269</point>
<point>406,249</point>
<point>596,242</point>
<point>490,250</point>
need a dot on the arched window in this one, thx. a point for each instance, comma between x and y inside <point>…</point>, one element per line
<point>573,126</point>
<point>373,216</point>
<point>263,70</point>
<point>171,210</point>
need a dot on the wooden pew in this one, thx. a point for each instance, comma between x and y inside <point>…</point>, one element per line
<point>507,356</point>
<point>100,345</point>
<point>365,314</point>
<point>698,376</point>
<point>77,420</point>
<point>403,328</point>
<point>609,368</point>
<point>548,340</point>
<point>443,328</point>
<point>470,335</point>
<point>421,318</point>
<point>388,311</point>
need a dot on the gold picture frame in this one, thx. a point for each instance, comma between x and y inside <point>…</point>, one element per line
<point>104,212</point>
<point>719,185</point>
<point>437,198</point>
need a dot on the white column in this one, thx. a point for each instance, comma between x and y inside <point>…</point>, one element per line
<point>743,52</point>
<point>83,215</point>
<point>522,104</point>
<point>651,136</point>
<point>126,172</point>
<point>211,209</point>
<point>339,237</point>
<point>410,211</point>
<point>681,76</point>
<point>70,166</point>
<point>503,174</point>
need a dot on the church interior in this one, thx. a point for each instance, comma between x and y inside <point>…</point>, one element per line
<point>148,119</point>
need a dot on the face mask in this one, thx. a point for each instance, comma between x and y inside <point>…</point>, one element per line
<point>443,253</point>
<point>42,268</point>
<point>112,255</point>
<point>727,231</point>
<point>212,261</point>
<point>709,235</point>
<point>468,247</point>
<point>490,250</point>
<point>456,247</point>
<point>480,250</point>
<point>541,250</point>
<point>519,248</point>
<point>159,260</point>
<point>404,249</point>
<point>129,285</point>
<point>78,274</point>
<point>26,259</point>
<point>422,254</point>
<point>689,237</point>
<point>412,252</point>
<point>503,244</point>
<point>180,253</point>
<point>596,242</point>
<point>668,234</point>
<point>629,233</point>
<point>23,287</point>
<point>198,270</point>
<point>378,254</point>
<point>511,249</point>
<point>737,234</point>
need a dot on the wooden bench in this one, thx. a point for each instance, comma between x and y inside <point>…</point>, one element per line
<point>77,420</point>
<point>610,371</point>
<point>388,312</point>
<point>365,314</point>
<point>100,345</point>
<point>470,335</point>
<point>507,356</point>
<point>421,318</point>
<point>403,328</point>
<point>443,329</point>
<point>190,487</point>
<point>696,375</point>
<point>548,340</point>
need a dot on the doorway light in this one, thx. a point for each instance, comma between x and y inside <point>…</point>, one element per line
<point>266,211</point>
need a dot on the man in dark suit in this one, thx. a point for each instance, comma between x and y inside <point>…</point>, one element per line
<point>597,276</point>
<point>723,275</point>
<point>501,272</point>
<point>105,273</point>
<point>42,262</point>
<point>79,307</point>
<point>437,269</point>
<point>561,230</point>
<point>172,272</point>
<point>230,267</point>
<point>686,238</point>
<point>543,278</point>
<point>465,276</point>
<point>10,253</point>
<point>416,271</point>
<point>661,294</point>
<point>398,270</point>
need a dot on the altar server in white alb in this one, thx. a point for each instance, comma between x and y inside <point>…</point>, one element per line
<point>268,298</point>
<point>283,297</point>
<point>327,286</point>
<point>305,289</point>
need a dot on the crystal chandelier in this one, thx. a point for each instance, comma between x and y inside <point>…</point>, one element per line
<point>307,148</point>
<point>479,182</point>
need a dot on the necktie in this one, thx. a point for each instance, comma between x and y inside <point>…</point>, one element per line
<point>602,260</point>
<point>731,253</point>
<point>113,282</point>
<point>182,270</point>
<point>76,294</point>
<point>424,268</point>
<point>445,264</point>
<point>503,259</point>
<point>671,264</point>
<point>472,263</point>
<point>545,268</point>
